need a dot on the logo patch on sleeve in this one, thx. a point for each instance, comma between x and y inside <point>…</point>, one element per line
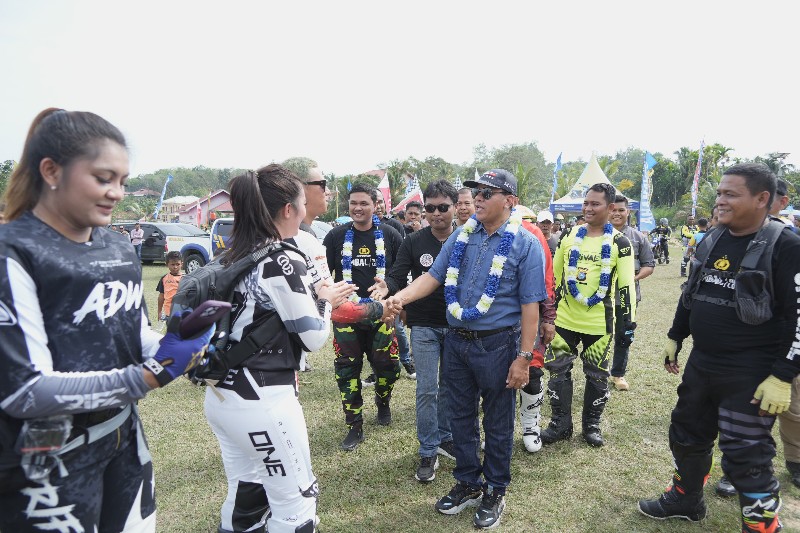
<point>7,318</point>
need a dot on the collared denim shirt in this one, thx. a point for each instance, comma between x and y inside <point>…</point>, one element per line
<point>522,281</point>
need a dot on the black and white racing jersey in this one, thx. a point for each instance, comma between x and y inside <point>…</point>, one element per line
<point>71,321</point>
<point>282,285</point>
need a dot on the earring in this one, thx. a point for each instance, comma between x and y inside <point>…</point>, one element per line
<point>53,187</point>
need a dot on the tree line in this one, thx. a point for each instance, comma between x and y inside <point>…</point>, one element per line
<point>672,177</point>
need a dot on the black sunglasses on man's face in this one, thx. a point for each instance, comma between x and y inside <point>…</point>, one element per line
<point>321,183</point>
<point>443,208</point>
<point>486,193</point>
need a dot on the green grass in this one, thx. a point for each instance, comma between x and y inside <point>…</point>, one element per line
<point>567,487</point>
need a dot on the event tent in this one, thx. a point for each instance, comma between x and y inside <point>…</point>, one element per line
<point>572,202</point>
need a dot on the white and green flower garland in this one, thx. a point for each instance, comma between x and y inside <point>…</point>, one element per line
<point>492,282</point>
<point>605,266</point>
<point>347,257</point>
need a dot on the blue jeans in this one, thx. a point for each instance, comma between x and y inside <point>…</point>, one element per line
<point>478,369</point>
<point>433,416</point>
<point>138,248</point>
<point>402,341</point>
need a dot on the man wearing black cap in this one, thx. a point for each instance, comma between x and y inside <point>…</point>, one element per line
<point>494,280</point>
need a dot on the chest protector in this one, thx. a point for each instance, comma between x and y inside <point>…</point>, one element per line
<point>753,291</point>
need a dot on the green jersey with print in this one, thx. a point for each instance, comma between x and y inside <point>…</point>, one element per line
<point>598,319</point>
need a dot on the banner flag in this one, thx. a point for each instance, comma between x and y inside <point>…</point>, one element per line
<point>386,191</point>
<point>696,181</point>
<point>160,200</point>
<point>457,183</point>
<point>647,221</point>
<point>555,179</point>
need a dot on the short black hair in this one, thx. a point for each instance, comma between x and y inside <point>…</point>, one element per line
<point>414,203</point>
<point>171,256</point>
<point>621,199</point>
<point>441,188</point>
<point>366,188</point>
<point>757,178</point>
<point>607,189</point>
<point>703,222</point>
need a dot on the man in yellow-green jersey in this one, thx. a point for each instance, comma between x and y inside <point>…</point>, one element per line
<point>588,260</point>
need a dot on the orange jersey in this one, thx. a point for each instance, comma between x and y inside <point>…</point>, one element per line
<point>168,285</point>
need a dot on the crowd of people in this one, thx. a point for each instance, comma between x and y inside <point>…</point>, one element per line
<point>495,296</point>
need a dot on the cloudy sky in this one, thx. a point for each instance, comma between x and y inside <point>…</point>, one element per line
<point>354,84</point>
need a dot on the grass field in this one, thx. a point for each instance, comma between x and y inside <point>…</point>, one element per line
<point>567,487</point>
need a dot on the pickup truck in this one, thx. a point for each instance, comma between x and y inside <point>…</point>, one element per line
<point>193,243</point>
<point>222,228</point>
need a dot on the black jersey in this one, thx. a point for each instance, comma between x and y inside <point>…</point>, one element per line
<point>416,255</point>
<point>68,308</point>
<point>725,343</point>
<point>364,253</point>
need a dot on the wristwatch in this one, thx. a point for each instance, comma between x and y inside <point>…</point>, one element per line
<point>527,355</point>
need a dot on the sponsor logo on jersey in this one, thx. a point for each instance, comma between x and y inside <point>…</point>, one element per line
<point>722,263</point>
<point>108,298</point>
<point>44,513</point>
<point>426,260</point>
<point>93,400</point>
<point>7,318</point>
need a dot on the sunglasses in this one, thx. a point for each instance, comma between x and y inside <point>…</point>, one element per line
<point>443,208</point>
<point>321,183</point>
<point>486,193</point>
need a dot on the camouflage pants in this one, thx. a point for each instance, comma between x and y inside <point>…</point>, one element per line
<point>563,351</point>
<point>350,343</point>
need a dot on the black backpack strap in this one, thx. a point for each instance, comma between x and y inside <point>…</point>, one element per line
<point>253,342</point>
<point>259,336</point>
<point>762,246</point>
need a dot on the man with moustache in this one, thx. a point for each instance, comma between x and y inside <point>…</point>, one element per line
<point>493,318</point>
<point>743,314</point>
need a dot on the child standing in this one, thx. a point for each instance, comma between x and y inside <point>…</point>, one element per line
<point>168,284</point>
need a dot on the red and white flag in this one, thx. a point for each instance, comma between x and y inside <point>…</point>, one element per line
<point>415,194</point>
<point>383,186</point>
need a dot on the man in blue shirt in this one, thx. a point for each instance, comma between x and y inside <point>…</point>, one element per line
<point>493,319</point>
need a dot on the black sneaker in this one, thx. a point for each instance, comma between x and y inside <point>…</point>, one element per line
<point>411,371</point>
<point>725,488</point>
<point>459,498</point>
<point>794,472</point>
<point>354,437</point>
<point>446,449</point>
<point>384,412</point>
<point>672,504</point>
<point>488,514</point>
<point>369,382</point>
<point>427,469</point>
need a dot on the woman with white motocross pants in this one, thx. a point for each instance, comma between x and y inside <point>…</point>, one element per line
<point>255,412</point>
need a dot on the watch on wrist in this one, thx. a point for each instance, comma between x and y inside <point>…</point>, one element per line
<point>527,355</point>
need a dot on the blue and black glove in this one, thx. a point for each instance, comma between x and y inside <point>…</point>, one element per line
<point>177,355</point>
<point>627,337</point>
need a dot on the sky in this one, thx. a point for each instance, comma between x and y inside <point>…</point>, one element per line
<point>355,84</point>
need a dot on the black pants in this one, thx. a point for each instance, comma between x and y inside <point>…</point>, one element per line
<point>711,403</point>
<point>106,489</point>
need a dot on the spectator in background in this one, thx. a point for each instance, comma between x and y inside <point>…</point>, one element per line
<point>643,264</point>
<point>137,235</point>
<point>465,207</point>
<point>413,217</point>
<point>544,220</point>
<point>380,210</point>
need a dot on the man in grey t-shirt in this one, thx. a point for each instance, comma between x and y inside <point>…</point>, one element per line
<point>644,263</point>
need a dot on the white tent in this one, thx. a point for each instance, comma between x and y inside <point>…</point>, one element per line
<point>572,202</point>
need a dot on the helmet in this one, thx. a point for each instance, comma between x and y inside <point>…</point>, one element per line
<point>664,221</point>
